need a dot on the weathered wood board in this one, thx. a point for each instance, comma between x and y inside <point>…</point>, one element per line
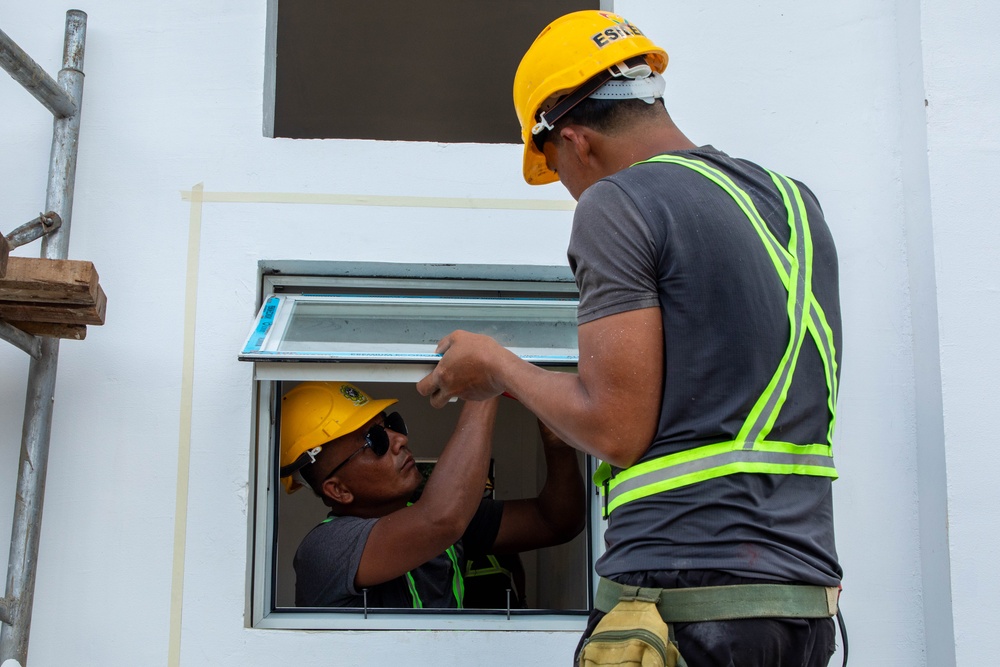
<point>33,280</point>
<point>53,329</point>
<point>60,313</point>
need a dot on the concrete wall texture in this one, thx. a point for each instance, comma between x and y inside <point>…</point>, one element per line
<point>886,108</point>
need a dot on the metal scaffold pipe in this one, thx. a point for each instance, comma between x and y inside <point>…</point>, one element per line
<point>34,79</point>
<point>25,341</point>
<point>65,136</point>
<point>37,427</point>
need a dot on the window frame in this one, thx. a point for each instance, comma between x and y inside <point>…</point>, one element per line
<point>262,610</point>
<point>279,332</point>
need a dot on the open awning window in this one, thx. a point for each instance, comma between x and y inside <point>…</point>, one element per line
<point>394,329</point>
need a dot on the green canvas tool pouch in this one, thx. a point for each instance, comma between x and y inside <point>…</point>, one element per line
<point>632,633</point>
<point>635,629</point>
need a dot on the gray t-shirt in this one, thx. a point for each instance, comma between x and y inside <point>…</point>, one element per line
<point>326,564</point>
<point>663,235</point>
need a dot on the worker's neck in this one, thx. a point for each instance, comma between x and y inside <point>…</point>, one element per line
<point>651,140</point>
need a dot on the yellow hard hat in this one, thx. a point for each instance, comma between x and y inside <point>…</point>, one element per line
<point>313,414</point>
<point>569,52</point>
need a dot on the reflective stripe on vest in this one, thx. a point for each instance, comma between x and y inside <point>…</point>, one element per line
<point>457,582</point>
<point>750,451</point>
<point>494,568</point>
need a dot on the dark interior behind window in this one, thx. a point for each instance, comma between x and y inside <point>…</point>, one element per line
<point>438,70</point>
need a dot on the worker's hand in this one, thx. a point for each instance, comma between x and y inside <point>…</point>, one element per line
<point>467,369</point>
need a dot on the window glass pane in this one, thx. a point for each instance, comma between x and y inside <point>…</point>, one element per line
<point>408,328</point>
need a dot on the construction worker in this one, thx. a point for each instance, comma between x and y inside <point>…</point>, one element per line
<point>709,347</point>
<point>377,548</point>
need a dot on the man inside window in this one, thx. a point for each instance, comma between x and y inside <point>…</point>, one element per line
<point>381,548</point>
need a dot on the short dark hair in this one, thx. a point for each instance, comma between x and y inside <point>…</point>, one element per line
<point>605,116</point>
<point>608,115</point>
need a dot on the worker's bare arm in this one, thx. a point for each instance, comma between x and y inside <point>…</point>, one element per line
<point>557,515</point>
<point>409,537</point>
<point>609,409</point>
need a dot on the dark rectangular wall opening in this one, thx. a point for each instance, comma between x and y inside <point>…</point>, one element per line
<point>439,70</point>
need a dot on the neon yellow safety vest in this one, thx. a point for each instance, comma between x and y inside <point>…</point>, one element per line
<point>750,451</point>
<point>457,581</point>
<point>494,568</point>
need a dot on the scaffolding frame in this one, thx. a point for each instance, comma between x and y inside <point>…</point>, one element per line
<point>62,97</point>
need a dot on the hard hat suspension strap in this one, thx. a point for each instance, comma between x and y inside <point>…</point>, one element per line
<point>632,68</point>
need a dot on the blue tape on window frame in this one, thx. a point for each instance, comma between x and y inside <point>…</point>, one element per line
<point>259,335</point>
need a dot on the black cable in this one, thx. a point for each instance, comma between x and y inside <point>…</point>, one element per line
<point>843,633</point>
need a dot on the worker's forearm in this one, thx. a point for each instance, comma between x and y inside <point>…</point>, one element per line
<point>562,500</point>
<point>454,489</point>
<point>561,401</point>
<point>610,409</point>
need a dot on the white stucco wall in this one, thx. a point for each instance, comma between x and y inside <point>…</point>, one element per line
<point>964,162</point>
<point>831,94</point>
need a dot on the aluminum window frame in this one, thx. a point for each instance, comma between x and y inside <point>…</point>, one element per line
<point>262,612</point>
<point>283,316</point>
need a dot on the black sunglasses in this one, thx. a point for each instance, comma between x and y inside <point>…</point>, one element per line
<point>376,439</point>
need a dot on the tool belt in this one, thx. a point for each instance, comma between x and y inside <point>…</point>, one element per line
<point>721,603</point>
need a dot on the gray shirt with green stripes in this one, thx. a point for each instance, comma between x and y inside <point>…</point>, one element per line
<point>327,560</point>
<point>662,235</point>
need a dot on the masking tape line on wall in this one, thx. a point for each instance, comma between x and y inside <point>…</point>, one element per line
<point>378,200</point>
<point>184,431</point>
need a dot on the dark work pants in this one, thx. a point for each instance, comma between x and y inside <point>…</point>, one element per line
<point>753,642</point>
